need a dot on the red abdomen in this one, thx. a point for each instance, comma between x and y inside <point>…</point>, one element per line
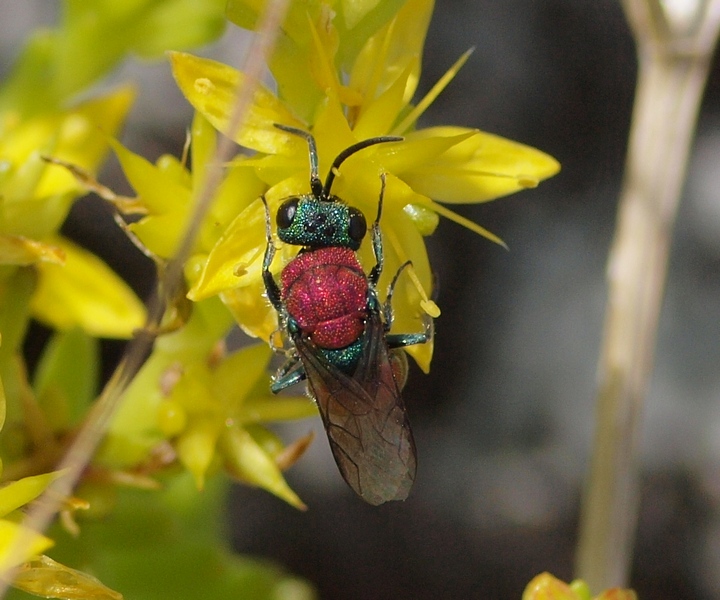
<point>325,291</point>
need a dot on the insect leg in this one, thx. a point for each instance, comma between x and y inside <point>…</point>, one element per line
<point>387,307</point>
<point>271,286</point>
<point>290,373</point>
<point>400,340</point>
<point>375,272</point>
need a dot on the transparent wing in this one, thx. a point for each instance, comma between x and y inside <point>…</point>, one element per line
<point>365,418</point>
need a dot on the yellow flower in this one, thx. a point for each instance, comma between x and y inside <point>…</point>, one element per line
<point>73,287</point>
<point>36,573</point>
<point>369,95</point>
<point>12,497</point>
<point>547,587</point>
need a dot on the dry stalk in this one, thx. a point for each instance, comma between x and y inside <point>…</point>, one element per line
<point>675,43</point>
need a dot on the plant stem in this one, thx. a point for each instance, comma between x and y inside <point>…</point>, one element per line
<point>673,67</point>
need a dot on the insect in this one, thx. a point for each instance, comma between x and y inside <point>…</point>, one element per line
<point>339,332</point>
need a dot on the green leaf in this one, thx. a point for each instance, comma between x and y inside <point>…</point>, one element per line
<point>170,544</point>
<point>95,36</point>
<point>66,379</point>
<point>15,292</point>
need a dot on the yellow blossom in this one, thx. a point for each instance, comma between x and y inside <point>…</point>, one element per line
<point>13,496</point>
<point>547,587</point>
<point>83,292</point>
<point>73,287</point>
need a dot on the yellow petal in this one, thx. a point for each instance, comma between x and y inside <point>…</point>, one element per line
<point>322,65</point>
<point>135,427</point>
<point>18,250</point>
<point>389,52</point>
<point>49,579</point>
<point>237,374</point>
<point>38,194</point>
<point>159,192</point>
<point>480,168</point>
<point>196,447</point>
<point>237,256</point>
<point>203,138</point>
<point>354,10</point>
<point>379,115</point>
<point>82,138</point>
<point>211,88</point>
<point>263,409</point>
<point>164,192</point>
<point>19,493</point>
<point>332,134</point>
<point>417,150</point>
<point>251,310</point>
<point>85,293</point>
<point>161,234</point>
<point>324,45</point>
<point>14,537</point>
<point>547,587</point>
<point>77,136</point>
<point>246,460</point>
<point>292,59</point>
<point>403,242</point>
<point>410,119</point>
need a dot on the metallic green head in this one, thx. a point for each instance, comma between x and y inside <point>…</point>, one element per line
<point>307,221</point>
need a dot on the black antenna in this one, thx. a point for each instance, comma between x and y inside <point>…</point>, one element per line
<point>349,152</point>
<point>318,190</point>
<point>315,184</point>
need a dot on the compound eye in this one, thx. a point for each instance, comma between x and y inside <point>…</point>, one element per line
<point>357,227</point>
<point>286,213</point>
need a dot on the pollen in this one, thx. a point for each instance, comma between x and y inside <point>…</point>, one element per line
<point>204,86</point>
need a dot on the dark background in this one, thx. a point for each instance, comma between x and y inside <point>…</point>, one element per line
<point>504,421</point>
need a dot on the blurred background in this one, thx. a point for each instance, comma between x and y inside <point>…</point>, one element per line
<point>504,422</point>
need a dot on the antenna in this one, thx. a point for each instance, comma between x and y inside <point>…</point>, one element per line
<point>315,183</point>
<point>318,190</point>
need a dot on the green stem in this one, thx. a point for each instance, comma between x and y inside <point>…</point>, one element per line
<point>673,69</point>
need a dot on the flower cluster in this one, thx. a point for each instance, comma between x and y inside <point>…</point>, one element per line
<point>345,73</point>
<point>547,587</point>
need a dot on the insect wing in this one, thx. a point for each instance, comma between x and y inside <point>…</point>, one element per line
<point>365,418</point>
